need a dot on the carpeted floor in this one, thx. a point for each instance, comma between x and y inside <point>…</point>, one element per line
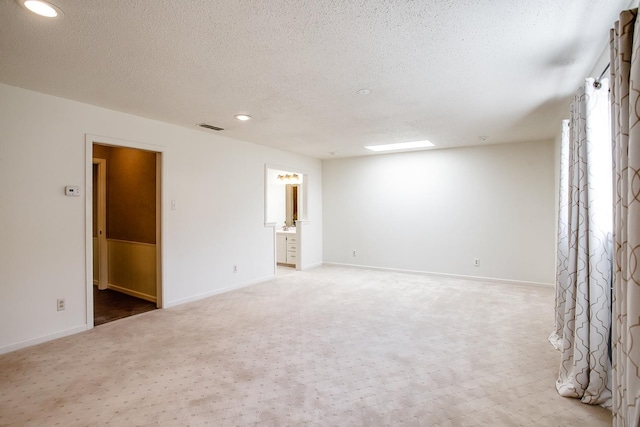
<point>330,346</point>
<point>109,305</point>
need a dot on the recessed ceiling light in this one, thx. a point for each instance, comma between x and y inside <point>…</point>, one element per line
<point>41,8</point>
<point>400,146</point>
<point>364,92</point>
<point>243,117</point>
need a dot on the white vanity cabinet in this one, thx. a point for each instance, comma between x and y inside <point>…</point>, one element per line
<point>287,248</point>
<point>281,248</point>
<point>292,249</point>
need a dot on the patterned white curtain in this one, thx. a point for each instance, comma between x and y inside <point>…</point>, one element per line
<point>625,80</point>
<point>562,253</point>
<point>583,282</point>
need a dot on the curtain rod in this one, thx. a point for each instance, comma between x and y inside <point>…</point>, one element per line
<point>597,83</point>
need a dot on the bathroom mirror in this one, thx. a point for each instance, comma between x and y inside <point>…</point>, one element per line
<point>285,198</point>
<point>291,194</point>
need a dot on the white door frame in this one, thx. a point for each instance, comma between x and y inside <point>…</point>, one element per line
<point>160,196</point>
<point>103,261</point>
<point>303,220</point>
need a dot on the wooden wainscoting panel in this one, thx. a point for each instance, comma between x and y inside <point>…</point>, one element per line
<point>132,268</point>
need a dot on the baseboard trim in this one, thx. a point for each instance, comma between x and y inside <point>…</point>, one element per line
<point>39,340</point>
<point>216,292</point>
<point>132,293</point>
<point>449,275</point>
<point>309,267</point>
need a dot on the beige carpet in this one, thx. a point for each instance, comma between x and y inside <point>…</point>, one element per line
<point>327,347</point>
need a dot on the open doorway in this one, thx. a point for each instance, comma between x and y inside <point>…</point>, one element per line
<point>125,232</point>
<point>285,212</point>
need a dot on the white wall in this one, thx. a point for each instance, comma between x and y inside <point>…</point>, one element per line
<point>217,183</point>
<point>276,198</point>
<point>435,211</point>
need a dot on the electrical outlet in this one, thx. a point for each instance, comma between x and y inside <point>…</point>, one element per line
<point>353,253</point>
<point>235,268</point>
<point>476,262</point>
<point>61,304</point>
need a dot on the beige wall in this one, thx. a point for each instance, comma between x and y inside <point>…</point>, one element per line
<point>131,193</point>
<point>216,223</point>
<point>438,210</point>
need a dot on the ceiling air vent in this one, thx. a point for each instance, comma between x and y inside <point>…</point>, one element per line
<point>212,127</point>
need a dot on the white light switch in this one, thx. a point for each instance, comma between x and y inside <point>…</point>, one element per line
<point>71,190</point>
<point>173,205</point>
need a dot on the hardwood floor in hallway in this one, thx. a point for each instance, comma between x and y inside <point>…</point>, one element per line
<point>109,305</point>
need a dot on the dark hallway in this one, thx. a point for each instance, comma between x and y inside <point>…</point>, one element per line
<point>111,305</point>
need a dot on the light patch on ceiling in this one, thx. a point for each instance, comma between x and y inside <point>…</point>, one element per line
<point>413,145</point>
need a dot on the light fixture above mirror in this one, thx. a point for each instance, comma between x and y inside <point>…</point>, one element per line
<point>289,178</point>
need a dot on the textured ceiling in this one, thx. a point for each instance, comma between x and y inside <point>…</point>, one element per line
<point>448,71</point>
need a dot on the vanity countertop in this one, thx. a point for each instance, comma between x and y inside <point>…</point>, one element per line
<point>289,231</point>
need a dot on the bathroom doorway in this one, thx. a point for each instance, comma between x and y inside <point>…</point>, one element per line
<point>285,212</point>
